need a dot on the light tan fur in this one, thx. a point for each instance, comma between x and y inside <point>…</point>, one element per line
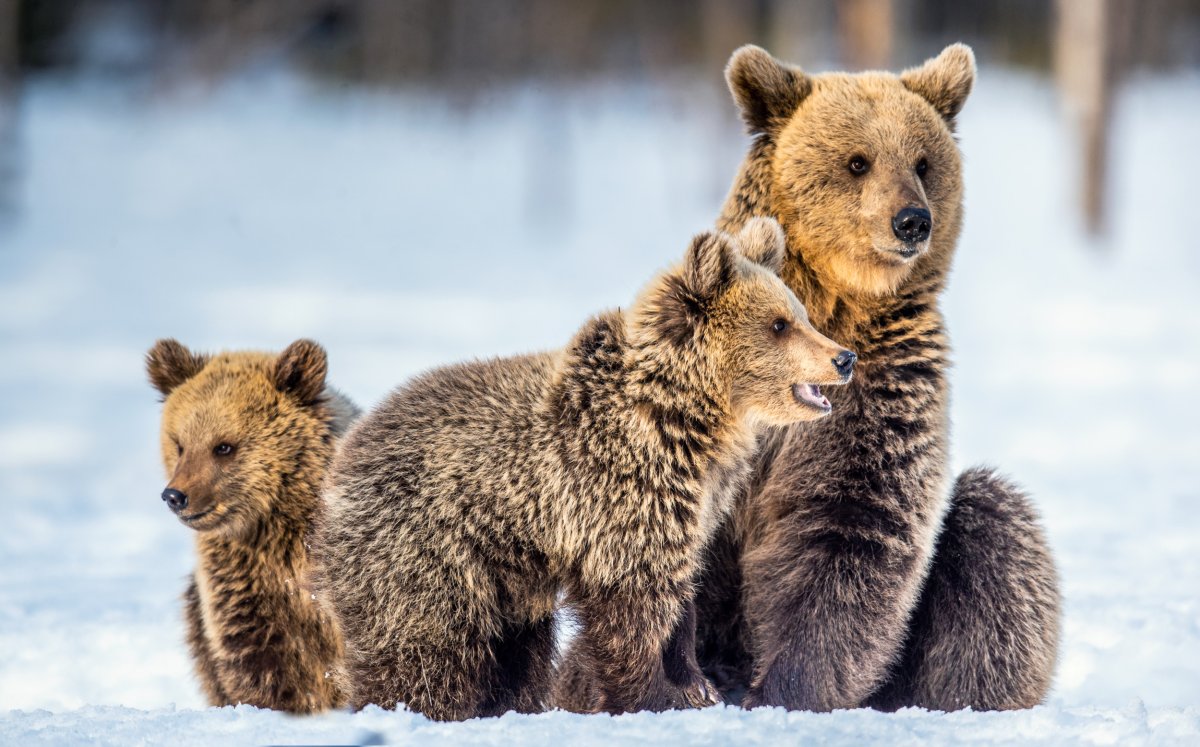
<point>247,438</point>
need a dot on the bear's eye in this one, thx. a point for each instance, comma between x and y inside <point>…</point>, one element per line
<point>178,449</point>
<point>222,450</point>
<point>779,326</point>
<point>922,167</point>
<point>859,166</point>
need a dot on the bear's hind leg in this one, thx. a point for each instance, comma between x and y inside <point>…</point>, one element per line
<point>985,631</point>
<point>443,679</point>
<point>574,683</point>
<point>422,637</point>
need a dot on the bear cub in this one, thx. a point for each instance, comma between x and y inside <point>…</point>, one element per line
<point>457,511</point>
<point>246,441</point>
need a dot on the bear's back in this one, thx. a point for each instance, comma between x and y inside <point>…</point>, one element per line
<point>441,436</point>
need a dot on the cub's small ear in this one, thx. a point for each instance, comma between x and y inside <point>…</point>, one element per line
<point>300,371</point>
<point>766,90</point>
<point>762,241</point>
<point>944,81</point>
<point>708,266</point>
<point>169,364</point>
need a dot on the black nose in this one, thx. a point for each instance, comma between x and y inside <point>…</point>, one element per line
<point>912,225</point>
<point>844,362</point>
<point>176,500</point>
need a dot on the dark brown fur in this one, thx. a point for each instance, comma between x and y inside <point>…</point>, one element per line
<point>991,557</point>
<point>826,589</point>
<point>254,630</point>
<point>838,541</point>
<point>458,509</point>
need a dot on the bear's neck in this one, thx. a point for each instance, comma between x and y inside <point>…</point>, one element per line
<point>692,392</point>
<point>688,403</point>
<point>666,406</point>
<point>273,548</point>
<point>850,318</point>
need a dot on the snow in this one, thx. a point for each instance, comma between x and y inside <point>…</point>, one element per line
<point>721,725</point>
<point>404,231</point>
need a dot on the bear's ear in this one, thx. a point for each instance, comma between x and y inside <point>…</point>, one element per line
<point>766,90</point>
<point>945,81</point>
<point>708,266</point>
<point>677,303</point>
<point>300,371</point>
<point>169,364</point>
<point>762,241</point>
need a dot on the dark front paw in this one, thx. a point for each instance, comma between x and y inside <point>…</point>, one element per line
<point>700,693</point>
<point>696,690</point>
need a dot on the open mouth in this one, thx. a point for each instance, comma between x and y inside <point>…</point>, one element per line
<point>810,395</point>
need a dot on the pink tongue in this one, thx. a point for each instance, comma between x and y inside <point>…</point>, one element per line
<point>815,392</point>
<point>811,393</point>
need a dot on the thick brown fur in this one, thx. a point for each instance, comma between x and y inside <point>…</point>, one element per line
<point>838,540</point>
<point>826,589</point>
<point>247,438</point>
<point>457,511</point>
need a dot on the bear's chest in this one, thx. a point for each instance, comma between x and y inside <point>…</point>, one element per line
<point>724,481</point>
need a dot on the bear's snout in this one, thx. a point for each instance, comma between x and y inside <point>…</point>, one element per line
<point>175,500</point>
<point>844,363</point>
<point>912,225</point>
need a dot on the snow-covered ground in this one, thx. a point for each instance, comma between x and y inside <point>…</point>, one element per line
<point>403,231</point>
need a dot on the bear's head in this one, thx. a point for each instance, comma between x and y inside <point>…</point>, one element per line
<point>864,172</point>
<point>238,428</point>
<point>726,310</point>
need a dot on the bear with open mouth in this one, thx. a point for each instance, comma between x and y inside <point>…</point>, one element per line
<point>458,509</point>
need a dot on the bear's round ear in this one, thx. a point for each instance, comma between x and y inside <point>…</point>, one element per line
<point>944,81</point>
<point>300,371</point>
<point>762,241</point>
<point>708,266</point>
<point>169,364</point>
<point>766,90</point>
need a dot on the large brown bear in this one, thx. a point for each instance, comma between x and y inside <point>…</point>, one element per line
<point>458,509</point>
<point>246,440</point>
<point>852,572</point>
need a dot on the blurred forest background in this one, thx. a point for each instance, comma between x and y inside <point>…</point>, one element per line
<point>466,48</point>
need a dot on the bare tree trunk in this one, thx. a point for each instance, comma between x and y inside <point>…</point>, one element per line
<point>9,74</point>
<point>865,29</point>
<point>799,32</point>
<point>1086,68</point>
<point>724,27</point>
<point>400,39</point>
<point>9,27</point>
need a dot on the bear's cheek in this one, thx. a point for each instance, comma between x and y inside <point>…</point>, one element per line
<point>944,198</point>
<point>943,182</point>
<point>824,210</point>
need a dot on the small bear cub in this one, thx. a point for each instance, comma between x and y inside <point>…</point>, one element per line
<point>456,512</point>
<point>246,441</point>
